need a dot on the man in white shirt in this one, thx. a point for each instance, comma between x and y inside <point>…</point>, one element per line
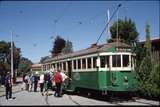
<point>41,82</point>
<point>64,77</point>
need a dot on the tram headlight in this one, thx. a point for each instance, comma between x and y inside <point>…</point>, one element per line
<point>125,78</point>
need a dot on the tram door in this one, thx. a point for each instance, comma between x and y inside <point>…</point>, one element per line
<point>69,66</point>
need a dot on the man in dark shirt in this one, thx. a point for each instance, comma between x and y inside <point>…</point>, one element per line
<point>8,85</point>
<point>35,82</point>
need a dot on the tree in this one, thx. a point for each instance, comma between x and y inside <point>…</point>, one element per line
<point>58,45</point>
<point>43,59</point>
<point>4,51</point>
<point>68,47</point>
<point>126,31</point>
<point>16,59</point>
<point>4,66</point>
<point>5,57</point>
<point>24,66</point>
<point>148,72</point>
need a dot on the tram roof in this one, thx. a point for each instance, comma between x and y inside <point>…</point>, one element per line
<point>91,49</point>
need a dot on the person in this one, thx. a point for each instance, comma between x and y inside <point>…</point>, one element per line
<point>64,77</point>
<point>8,85</point>
<point>46,84</point>
<point>23,85</point>
<point>41,82</point>
<point>23,82</point>
<point>26,79</point>
<point>31,82</point>
<point>35,82</point>
<point>58,82</point>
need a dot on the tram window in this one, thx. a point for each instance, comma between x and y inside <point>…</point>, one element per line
<point>60,65</point>
<point>125,60</point>
<point>79,64</point>
<point>64,66</point>
<point>89,62</point>
<point>102,61</point>
<point>116,61</point>
<point>74,62</point>
<point>49,66</point>
<point>57,65</point>
<point>94,62</point>
<point>84,63</point>
<point>107,59</point>
<point>53,65</point>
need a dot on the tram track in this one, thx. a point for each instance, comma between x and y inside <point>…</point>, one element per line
<point>117,101</point>
<point>73,100</point>
<point>137,100</point>
<point>120,103</point>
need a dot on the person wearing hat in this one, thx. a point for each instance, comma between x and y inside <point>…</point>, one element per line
<point>8,85</point>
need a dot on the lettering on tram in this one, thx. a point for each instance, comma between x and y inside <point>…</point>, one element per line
<point>122,49</point>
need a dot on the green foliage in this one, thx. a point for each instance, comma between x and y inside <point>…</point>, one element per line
<point>145,69</point>
<point>148,71</point>
<point>4,50</point>
<point>126,31</point>
<point>155,80</point>
<point>24,65</point>
<point>68,47</point>
<point>147,45</point>
<point>5,55</point>
<point>149,85</point>
<point>58,45</point>
<point>43,59</point>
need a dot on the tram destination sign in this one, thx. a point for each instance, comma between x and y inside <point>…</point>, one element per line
<point>123,49</point>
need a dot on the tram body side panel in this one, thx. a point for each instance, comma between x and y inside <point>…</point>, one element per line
<point>102,80</point>
<point>85,79</point>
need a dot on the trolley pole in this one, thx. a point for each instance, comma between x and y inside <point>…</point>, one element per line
<point>12,56</point>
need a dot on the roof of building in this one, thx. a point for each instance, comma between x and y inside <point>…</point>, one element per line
<point>153,40</point>
<point>36,65</point>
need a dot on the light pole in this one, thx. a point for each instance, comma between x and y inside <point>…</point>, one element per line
<point>12,55</point>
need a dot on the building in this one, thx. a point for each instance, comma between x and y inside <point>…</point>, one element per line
<point>155,43</point>
<point>36,67</point>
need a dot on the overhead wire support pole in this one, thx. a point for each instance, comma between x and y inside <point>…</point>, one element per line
<point>108,22</point>
<point>12,55</point>
<point>108,15</point>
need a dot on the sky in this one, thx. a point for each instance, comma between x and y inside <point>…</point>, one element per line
<point>35,24</point>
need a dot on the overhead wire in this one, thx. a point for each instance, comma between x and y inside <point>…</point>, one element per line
<point>61,15</point>
<point>108,22</point>
<point>78,23</point>
<point>64,11</point>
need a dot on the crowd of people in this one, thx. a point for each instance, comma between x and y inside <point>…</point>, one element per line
<point>45,81</point>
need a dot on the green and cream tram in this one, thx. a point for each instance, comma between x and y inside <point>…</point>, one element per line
<point>107,67</point>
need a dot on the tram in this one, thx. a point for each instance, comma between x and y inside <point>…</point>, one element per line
<point>104,68</point>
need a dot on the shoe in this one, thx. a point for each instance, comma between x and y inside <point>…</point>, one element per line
<point>59,96</point>
<point>55,94</point>
<point>10,99</point>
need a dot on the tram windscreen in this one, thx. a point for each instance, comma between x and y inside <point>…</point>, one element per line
<point>116,61</point>
<point>125,60</point>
